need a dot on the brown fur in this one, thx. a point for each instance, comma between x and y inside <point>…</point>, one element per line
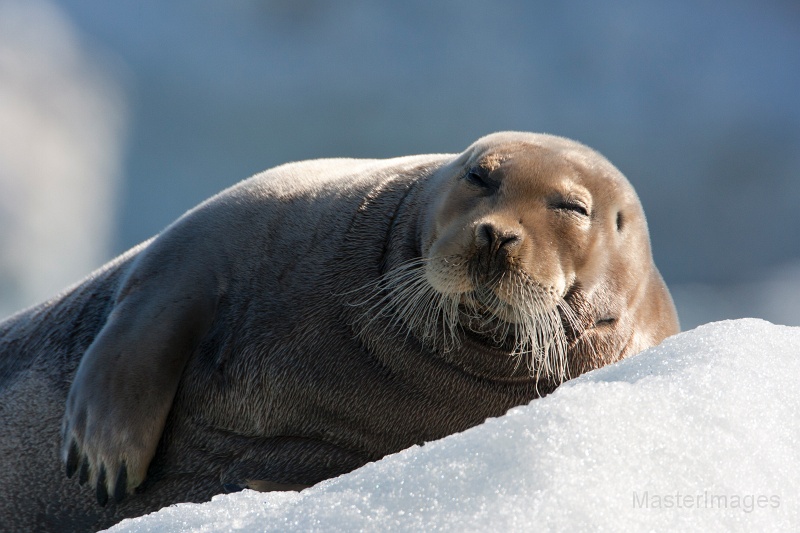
<point>252,343</point>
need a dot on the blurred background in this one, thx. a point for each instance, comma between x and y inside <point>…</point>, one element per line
<point>115,118</point>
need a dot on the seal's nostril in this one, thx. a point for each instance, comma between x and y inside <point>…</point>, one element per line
<point>507,240</point>
<point>487,233</point>
<point>490,236</point>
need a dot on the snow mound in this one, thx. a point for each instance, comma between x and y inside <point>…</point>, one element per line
<point>699,433</point>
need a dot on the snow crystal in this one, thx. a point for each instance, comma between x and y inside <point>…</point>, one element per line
<point>699,433</point>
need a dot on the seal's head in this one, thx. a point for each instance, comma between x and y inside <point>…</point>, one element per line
<point>535,263</point>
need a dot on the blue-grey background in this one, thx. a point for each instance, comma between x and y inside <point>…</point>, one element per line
<point>697,102</point>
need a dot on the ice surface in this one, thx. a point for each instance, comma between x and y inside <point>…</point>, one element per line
<point>701,433</point>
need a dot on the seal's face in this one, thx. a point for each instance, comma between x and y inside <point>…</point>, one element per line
<point>509,215</point>
<point>534,250</point>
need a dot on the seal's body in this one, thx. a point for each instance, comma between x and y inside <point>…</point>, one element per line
<point>319,316</point>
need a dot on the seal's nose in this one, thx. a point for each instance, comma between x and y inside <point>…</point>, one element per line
<point>494,239</point>
<point>495,245</point>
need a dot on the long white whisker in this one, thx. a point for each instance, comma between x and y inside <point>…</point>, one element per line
<point>511,311</point>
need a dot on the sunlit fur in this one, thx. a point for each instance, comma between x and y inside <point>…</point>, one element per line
<point>512,312</point>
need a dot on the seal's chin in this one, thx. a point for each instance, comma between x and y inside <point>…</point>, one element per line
<point>489,321</point>
<point>484,318</point>
<point>488,332</point>
<point>502,327</point>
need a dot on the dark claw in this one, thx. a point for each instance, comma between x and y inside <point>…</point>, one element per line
<point>72,459</point>
<point>102,491</point>
<point>83,475</point>
<point>232,487</point>
<point>122,483</point>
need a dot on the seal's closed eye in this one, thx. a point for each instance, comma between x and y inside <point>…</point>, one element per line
<point>570,204</point>
<point>479,177</point>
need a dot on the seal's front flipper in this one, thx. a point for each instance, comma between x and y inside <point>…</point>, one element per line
<point>127,379</point>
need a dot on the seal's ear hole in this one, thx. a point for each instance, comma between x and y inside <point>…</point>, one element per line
<point>620,221</point>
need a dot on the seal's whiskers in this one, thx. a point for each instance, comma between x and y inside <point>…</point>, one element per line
<point>529,321</point>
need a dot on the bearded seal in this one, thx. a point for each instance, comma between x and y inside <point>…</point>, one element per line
<point>321,315</point>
